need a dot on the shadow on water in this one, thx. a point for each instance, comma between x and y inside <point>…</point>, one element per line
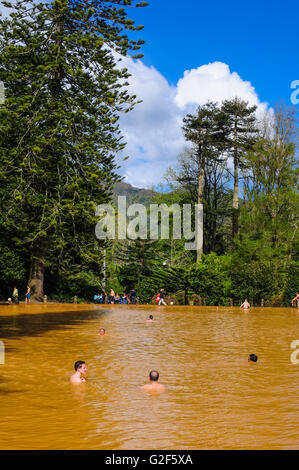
<point>4,391</point>
<point>10,392</point>
<point>18,326</point>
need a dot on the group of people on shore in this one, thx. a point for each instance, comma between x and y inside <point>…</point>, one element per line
<point>131,298</point>
<point>15,295</point>
<point>159,298</point>
<point>112,298</point>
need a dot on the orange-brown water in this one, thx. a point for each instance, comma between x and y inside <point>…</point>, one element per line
<point>214,398</point>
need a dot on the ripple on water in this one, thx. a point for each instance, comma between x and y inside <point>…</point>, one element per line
<point>213,399</point>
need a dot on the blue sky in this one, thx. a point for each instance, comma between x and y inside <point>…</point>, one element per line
<point>199,51</point>
<point>257,39</point>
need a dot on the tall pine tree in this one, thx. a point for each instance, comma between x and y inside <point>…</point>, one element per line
<point>58,125</point>
<point>241,134</point>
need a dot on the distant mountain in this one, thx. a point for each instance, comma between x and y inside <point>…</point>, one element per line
<point>134,195</point>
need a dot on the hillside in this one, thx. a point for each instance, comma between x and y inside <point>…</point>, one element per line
<point>134,195</point>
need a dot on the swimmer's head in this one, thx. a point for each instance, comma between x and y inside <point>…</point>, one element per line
<point>150,317</point>
<point>252,358</point>
<point>102,331</point>
<point>154,375</point>
<point>80,366</point>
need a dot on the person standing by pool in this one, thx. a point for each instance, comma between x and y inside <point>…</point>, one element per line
<point>28,295</point>
<point>111,297</point>
<point>15,295</point>
<point>162,301</point>
<point>153,385</point>
<point>80,368</point>
<point>245,304</point>
<point>296,299</point>
<point>133,296</point>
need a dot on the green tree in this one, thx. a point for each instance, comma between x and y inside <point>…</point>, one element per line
<point>135,259</point>
<point>269,216</point>
<point>205,130</point>
<point>59,133</point>
<point>210,278</point>
<point>241,133</point>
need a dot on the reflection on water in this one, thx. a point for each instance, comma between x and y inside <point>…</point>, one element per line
<point>214,399</point>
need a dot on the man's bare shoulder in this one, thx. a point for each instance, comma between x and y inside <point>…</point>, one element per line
<point>151,388</point>
<point>76,380</point>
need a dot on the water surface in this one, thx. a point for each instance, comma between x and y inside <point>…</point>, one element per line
<point>214,398</point>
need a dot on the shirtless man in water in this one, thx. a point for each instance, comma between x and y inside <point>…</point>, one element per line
<point>102,332</point>
<point>154,385</point>
<point>80,368</point>
<point>245,304</point>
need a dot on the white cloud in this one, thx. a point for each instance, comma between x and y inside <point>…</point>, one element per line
<point>153,129</point>
<point>216,82</point>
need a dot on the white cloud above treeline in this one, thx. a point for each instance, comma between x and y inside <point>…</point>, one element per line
<point>153,129</point>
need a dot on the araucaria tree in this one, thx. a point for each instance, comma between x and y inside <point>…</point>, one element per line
<point>58,125</point>
<point>241,134</point>
<point>206,131</point>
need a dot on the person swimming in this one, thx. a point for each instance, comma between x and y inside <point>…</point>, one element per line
<point>252,358</point>
<point>80,368</point>
<point>150,318</point>
<point>245,304</point>
<point>153,385</point>
<point>102,332</point>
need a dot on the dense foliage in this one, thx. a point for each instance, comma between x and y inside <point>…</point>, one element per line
<point>59,137</point>
<point>250,248</point>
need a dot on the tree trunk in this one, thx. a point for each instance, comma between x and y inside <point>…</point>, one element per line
<point>235,218</point>
<point>199,228</point>
<point>37,278</point>
<point>186,297</point>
